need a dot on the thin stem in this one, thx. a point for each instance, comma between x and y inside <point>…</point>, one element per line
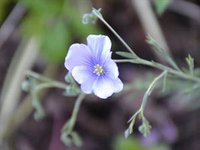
<point>139,60</point>
<point>54,84</point>
<point>115,33</point>
<point>160,67</point>
<point>134,115</point>
<point>37,76</point>
<point>170,70</point>
<point>69,127</point>
<point>147,93</point>
<point>50,82</point>
<point>149,90</point>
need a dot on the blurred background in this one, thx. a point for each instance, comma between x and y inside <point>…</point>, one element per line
<point>36,34</point>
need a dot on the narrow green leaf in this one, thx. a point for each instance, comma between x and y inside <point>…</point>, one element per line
<point>126,55</point>
<point>130,128</point>
<point>154,44</point>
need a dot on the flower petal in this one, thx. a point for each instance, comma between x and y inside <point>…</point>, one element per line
<point>78,54</point>
<point>111,68</point>
<point>81,73</point>
<point>105,87</point>
<point>100,45</point>
<point>86,86</point>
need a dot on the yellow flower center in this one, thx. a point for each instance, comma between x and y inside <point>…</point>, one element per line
<point>98,70</point>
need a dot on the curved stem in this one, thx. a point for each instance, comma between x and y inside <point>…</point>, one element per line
<point>53,84</point>
<point>147,93</point>
<point>70,124</point>
<point>37,76</point>
<point>50,83</point>
<point>114,32</point>
<point>149,90</point>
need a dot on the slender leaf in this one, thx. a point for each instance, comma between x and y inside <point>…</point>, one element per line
<point>126,55</point>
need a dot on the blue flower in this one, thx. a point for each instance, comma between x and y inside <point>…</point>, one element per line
<point>92,67</point>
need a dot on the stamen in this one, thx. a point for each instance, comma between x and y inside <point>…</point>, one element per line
<point>98,70</point>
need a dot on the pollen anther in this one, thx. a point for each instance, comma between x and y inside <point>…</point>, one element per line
<point>98,70</point>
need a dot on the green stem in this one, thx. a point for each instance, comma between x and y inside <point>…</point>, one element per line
<point>70,124</point>
<point>50,83</point>
<point>54,84</point>
<point>149,90</point>
<point>134,115</point>
<point>114,32</point>
<point>37,76</point>
<point>160,67</point>
<point>146,95</point>
<point>139,60</point>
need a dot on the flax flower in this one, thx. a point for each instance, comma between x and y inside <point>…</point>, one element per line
<point>92,67</point>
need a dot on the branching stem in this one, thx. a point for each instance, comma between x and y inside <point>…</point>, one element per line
<point>161,67</point>
<point>48,82</point>
<point>114,32</point>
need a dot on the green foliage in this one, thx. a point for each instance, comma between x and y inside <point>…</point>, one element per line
<point>3,8</point>
<point>42,7</point>
<point>75,24</point>
<point>54,41</point>
<point>133,144</point>
<point>127,144</point>
<point>56,24</point>
<point>161,6</point>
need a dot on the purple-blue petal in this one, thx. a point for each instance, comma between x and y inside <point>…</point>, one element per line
<point>111,69</point>
<point>78,54</point>
<point>81,74</point>
<point>87,86</point>
<point>104,87</point>
<point>99,45</point>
